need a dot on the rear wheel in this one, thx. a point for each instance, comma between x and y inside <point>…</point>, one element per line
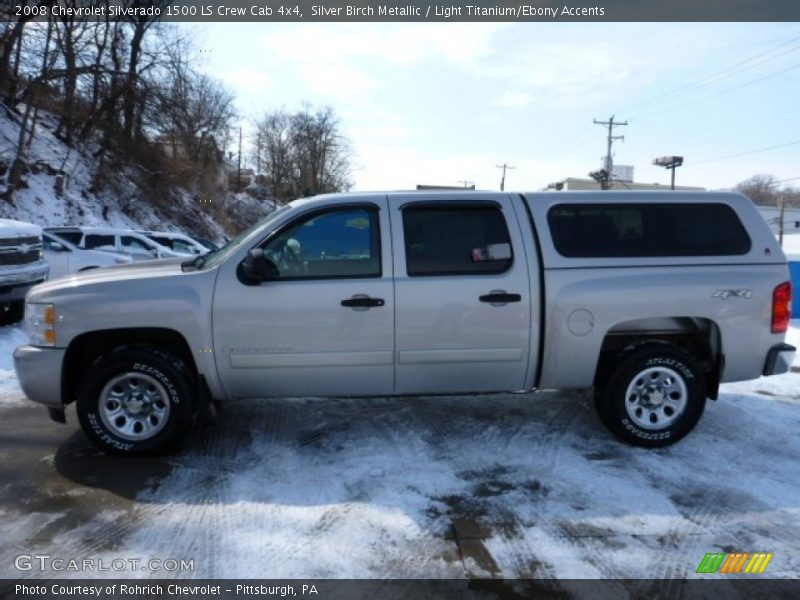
<point>136,401</point>
<point>653,397</point>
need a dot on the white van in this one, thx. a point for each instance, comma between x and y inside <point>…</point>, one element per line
<point>135,245</point>
<point>65,257</point>
<point>177,242</point>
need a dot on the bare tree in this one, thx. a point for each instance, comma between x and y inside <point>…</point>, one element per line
<point>27,124</point>
<point>762,189</point>
<point>188,106</point>
<point>11,33</point>
<point>274,153</point>
<point>303,153</point>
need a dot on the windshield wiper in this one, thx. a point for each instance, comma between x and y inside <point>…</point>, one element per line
<point>198,261</point>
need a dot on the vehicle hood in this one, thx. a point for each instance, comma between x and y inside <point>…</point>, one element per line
<point>11,228</point>
<point>146,269</point>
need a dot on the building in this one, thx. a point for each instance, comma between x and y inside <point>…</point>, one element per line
<point>621,179</point>
<point>577,183</point>
<point>239,179</point>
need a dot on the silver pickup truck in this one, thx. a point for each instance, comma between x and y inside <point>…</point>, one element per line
<point>653,299</point>
<point>21,266</point>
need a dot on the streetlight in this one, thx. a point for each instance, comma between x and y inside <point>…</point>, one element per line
<point>671,163</point>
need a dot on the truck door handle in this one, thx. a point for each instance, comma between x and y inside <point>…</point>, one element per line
<point>500,298</point>
<point>363,302</point>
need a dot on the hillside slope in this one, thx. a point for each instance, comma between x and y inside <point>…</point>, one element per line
<point>103,196</point>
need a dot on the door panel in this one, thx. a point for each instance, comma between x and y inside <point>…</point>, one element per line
<point>293,336</point>
<point>449,256</point>
<point>58,260</point>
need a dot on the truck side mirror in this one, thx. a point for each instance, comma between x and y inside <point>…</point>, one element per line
<point>56,247</point>
<point>256,268</point>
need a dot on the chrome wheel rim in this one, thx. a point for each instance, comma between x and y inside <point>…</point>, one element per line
<point>656,397</point>
<point>134,406</point>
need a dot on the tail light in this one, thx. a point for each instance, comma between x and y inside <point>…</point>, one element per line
<point>781,307</point>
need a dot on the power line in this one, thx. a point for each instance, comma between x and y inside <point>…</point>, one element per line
<point>751,62</point>
<point>747,153</point>
<point>722,74</point>
<point>721,92</point>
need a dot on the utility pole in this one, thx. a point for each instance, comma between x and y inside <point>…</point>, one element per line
<point>258,154</point>
<point>239,165</point>
<point>505,167</point>
<point>466,183</point>
<point>605,183</point>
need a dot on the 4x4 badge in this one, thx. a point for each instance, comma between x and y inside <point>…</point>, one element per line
<point>725,294</point>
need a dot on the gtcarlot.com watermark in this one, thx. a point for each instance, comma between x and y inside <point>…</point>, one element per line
<point>49,563</point>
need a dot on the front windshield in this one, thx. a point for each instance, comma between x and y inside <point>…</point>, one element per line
<point>217,257</point>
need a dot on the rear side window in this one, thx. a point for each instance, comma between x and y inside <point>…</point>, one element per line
<point>94,241</point>
<point>132,245</point>
<point>456,240</point>
<point>633,230</point>
<point>70,236</point>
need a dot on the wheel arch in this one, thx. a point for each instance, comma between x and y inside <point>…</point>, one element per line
<point>87,348</point>
<point>698,336</point>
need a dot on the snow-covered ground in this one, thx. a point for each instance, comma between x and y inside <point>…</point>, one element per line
<point>791,246</point>
<point>514,486</point>
<point>10,338</point>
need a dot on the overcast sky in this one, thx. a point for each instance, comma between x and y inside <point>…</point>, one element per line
<point>436,103</point>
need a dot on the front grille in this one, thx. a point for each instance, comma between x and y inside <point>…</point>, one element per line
<point>15,257</point>
<point>18,241</point>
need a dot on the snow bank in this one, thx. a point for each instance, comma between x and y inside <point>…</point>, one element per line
<point>10,338</point>
<point>791,246</point>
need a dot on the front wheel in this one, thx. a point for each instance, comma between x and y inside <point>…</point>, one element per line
<point>654,396</point>
<point>136,401</point>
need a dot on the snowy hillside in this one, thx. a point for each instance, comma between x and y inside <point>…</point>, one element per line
<point>116,197</point>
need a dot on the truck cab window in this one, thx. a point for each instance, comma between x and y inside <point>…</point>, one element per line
<point>342,243</point>
<point>131,245</point>
<point>463,239</point>
<point>96,241</point>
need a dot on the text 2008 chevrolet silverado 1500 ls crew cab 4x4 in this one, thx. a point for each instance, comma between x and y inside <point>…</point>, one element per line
<point>653,299</point>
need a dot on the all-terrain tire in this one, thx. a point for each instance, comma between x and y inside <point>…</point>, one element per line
<point>136,400</point>
<point>653,397</point>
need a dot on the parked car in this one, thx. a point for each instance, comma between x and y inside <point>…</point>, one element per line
<point>653,299</point>
<point>65,257</point>
<point>208,243</point>
<point>21,265</point>
<point>135,245</point>
<point>177,242</point>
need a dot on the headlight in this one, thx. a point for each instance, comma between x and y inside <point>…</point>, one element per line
<point>40,324</point>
